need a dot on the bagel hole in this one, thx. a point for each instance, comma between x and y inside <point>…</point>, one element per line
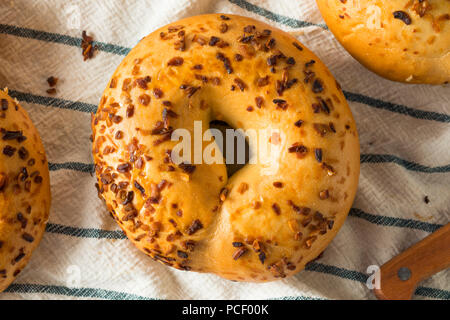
<point>234,166</point>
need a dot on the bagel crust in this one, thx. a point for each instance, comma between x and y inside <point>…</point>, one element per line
<point>254,226</point>
<point>24,189</point>
<point>401,40</point>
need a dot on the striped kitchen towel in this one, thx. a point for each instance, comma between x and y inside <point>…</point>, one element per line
<point>404,190</point>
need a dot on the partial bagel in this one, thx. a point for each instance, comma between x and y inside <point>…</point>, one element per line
<point>24,189</point>
<point>256,225</point>
<point>401,40</point>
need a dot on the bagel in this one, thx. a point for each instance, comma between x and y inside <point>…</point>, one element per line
<point>401,40</point>
<point>24,189</point>
<point>257,225</point>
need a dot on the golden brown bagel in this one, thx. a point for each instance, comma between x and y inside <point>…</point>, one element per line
<point>24,189</point>
<point>254,226</point>
<point>402,40</point>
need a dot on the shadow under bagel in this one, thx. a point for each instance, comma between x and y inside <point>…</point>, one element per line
<point>232,164</point>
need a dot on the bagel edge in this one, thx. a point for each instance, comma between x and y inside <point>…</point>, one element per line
<point>24,189</point>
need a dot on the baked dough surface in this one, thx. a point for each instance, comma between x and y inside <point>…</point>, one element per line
<point>24,189</point>
<point>259,224</point>
<point>401,40</point>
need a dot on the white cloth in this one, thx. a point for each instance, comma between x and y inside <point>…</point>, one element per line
<point>404,132</point>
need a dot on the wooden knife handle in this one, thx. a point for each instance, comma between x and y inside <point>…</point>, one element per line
<point>400,275</point>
